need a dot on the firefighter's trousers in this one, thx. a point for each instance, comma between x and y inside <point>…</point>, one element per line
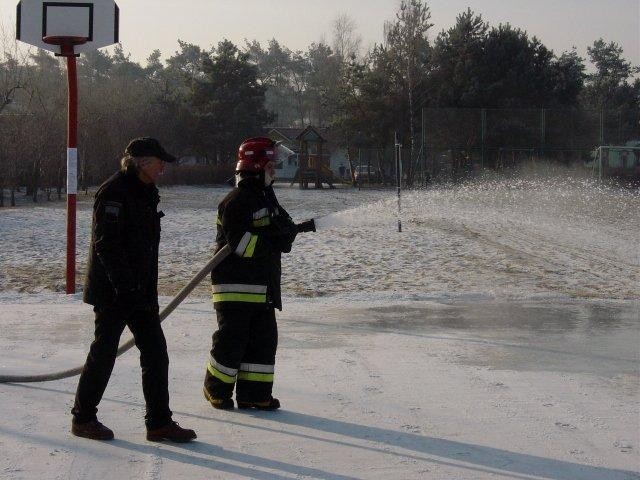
<point>150,340</point>
<point>243,354</point>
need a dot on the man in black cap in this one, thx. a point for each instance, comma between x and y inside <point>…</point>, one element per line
<point>122,285</point>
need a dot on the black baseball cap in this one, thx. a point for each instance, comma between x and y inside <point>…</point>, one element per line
<point>148,147</point>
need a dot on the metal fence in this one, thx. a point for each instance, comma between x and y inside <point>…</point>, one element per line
<point>459,142</point>
<point>454,143</point>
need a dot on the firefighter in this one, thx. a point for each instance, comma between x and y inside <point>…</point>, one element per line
<point>122,285</point>
<point>246,284</point>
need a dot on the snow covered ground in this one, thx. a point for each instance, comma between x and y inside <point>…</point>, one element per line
<point>495,337</point>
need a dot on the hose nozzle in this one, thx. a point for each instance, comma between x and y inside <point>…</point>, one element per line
<point>307,226</point>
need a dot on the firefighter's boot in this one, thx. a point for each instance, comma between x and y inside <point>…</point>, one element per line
<point>218,403</point>
<point>271,404</point>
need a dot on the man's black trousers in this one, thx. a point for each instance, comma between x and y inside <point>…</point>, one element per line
<point>243,354</point>
<point>149,338</point>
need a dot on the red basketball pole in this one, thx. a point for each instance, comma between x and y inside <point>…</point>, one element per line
<point>66,50</point>
<point>72,168</point>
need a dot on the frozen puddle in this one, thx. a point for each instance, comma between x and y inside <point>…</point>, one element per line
<point>587,337</point>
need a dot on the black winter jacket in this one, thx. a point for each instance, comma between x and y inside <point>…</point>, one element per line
<point>258,230</point>
<point>123,255</point>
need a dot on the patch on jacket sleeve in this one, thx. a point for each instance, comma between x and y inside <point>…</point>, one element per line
<point>112,211</point>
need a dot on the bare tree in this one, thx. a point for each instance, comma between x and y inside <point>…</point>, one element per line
<point>407,39</point>
<point>13,62</point>
<point>13,79</point>
<point>346,42</point>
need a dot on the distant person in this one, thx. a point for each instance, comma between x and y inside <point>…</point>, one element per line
<point>383,176</point>
<point>246,284</point>
<point>122,285</point>
<point>341,170</point>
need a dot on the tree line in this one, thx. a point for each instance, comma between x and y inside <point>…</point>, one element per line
<point>203,101</point>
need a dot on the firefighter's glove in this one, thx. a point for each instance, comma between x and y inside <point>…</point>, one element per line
<point>306,226</point>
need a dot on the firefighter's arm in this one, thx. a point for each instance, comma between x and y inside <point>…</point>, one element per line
<point>109,244</point>
<point>282,231</point>
<point>237,224</point>
<point>248,241</point>
<point>286,230</point>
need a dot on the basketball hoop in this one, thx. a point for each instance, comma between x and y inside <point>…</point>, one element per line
<point>66,44</point>
<point>68,28</point>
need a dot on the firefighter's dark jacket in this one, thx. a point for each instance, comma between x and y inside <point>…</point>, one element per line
<point>258,230</point>
<point>123,255</point>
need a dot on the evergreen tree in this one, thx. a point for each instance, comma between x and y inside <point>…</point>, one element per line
<point>228,102</point>
<point>613,90</point>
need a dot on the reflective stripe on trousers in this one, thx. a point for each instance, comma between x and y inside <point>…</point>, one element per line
<point>225,374</point>
<point>236,292</point>
<point>251,372</point>
<point>255,372</point>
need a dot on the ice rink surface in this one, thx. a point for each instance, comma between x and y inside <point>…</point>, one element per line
<point>495,337</point>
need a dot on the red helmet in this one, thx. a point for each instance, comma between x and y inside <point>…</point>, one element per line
<point>255,153</point>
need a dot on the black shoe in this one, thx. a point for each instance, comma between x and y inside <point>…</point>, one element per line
<point>219,403</point>
<point>172,432</point>
<point>92,429</point>
<point>271,404</point>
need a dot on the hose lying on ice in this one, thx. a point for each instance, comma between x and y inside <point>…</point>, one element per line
<point>217,258</point>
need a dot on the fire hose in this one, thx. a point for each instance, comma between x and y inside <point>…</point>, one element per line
<point>177,300</point>
<point>307,226</point>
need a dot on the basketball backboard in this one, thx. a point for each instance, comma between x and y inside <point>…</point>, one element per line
<point>96,20</point>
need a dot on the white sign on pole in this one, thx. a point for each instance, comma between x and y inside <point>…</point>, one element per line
<point>72,171</point>
<point>96,20</point>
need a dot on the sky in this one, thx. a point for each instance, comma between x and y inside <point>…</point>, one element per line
<point>559,24</point>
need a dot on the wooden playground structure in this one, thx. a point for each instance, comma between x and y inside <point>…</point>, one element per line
<point>313,165</point>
